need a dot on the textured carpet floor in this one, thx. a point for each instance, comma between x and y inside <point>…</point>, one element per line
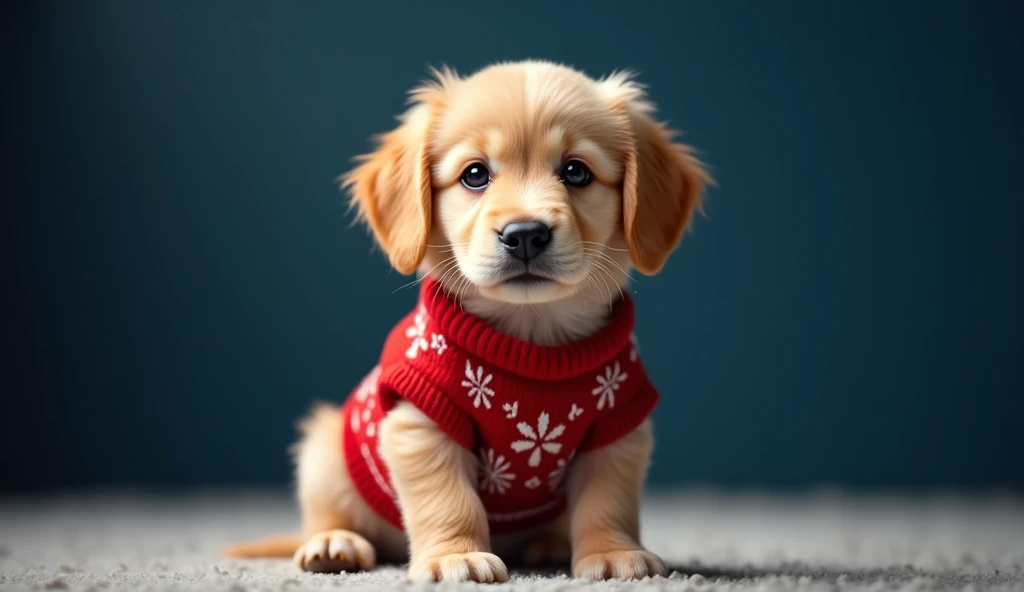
<point>827,542</point>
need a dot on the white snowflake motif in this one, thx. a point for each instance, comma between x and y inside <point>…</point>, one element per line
<point>477,385</point>
<point>416,333</point>
<point>369,407</point>
<point>364,417</point>
<point>575,412</point>
<point>494,475</point>
<point>608,384</point>
<point>634,351</point>
<point>369,385</point>
<point>539,439</point>
<point>511,409</point>
<point>438,343</point>
<point>555,477</point>
<point>533,483</point>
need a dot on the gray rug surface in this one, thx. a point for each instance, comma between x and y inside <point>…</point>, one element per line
<point>822,541</point>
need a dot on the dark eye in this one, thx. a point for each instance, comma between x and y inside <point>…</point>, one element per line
<point>576,174</point>
<point>476,176</point>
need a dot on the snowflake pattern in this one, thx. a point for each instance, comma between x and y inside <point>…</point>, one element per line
<point>539,439</point>
<point>575,412</point>
<point>608,384</point>
<point>438,343</point>
<point>369,385</point>
<point>511,409</point>
<point>556,476</point>
<point>417,333</point>
<point>477,385</point>
<point>371,428</point>
<point>360,418</point>
<point>494,475</point>
<point>533,483</point>
<point>634,351</point>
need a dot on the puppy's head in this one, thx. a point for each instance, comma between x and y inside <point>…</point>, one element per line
<point>528,181</point>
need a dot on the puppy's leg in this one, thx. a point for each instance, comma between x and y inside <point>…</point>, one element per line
<point>604,496</point>
<point>336,522</point>
<point>435,479</point>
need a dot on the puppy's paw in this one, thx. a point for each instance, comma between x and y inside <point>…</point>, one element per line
<point>460,567</point>
<point>625,565</point>
<point>335,551</point>
<point>548,549</point>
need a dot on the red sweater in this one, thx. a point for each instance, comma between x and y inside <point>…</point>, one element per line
<point>524,410</point>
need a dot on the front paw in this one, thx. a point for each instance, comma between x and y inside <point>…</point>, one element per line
<point>626,565</point>
<point>460,567</point>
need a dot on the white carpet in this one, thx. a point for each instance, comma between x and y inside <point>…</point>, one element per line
<point>825,541</point>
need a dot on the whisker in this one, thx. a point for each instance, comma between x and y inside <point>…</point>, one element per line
<point>451,290</point>
<point>612,261</point>
<point>602,287</point>
<point>440,282</point>
<point>462,296</point>
<point>458,287</point>
<point>447,270</point>
<point>602,268</point>
<point>590,278</point>
<point>420,279</point>
<point>445,248</point>
<point>605,261</point>
<point>605,246</point>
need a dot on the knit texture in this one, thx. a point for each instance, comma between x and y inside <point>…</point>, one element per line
<point>525,410</point>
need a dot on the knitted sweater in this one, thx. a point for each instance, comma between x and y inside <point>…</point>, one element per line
<point>524,410</point>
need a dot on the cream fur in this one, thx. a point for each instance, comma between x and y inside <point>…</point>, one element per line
<point>435,479</point>
<point>604,500</point>
<point>523,120</point>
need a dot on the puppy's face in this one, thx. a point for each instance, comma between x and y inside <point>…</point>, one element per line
<point>529,182</point>
<point>527,173</point>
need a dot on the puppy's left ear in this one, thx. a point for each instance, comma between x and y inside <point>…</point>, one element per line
<point>391,190</point>
<point>662,184</point>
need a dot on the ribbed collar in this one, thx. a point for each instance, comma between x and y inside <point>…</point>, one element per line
<point>529,360</point>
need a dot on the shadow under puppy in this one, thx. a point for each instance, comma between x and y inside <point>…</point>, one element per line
<point>509,412</point>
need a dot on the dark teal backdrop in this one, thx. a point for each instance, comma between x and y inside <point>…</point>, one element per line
<point>182,281</point>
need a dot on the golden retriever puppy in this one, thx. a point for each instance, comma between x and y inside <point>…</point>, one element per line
<point>509,413</point>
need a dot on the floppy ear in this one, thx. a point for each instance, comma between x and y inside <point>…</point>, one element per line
<point>662,184</point>
<point>391,190</point>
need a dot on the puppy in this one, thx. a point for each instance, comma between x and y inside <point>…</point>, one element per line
<point>509,412</point>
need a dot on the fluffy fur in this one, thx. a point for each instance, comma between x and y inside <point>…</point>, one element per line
<point>523,121</point>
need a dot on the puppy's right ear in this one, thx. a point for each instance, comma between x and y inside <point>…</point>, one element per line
<point>391,188</point>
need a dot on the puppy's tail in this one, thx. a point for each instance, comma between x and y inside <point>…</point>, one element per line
<point>283,545</point>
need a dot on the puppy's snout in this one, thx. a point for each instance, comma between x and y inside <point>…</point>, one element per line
<point>525,240</point>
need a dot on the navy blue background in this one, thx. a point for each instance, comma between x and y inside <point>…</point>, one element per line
<point>182,281</point>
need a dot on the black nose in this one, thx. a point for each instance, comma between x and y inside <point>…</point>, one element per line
<point>525,240</point>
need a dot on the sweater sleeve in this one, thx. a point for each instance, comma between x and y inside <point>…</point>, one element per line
<point>622,421</point>
<point>403,382</point>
